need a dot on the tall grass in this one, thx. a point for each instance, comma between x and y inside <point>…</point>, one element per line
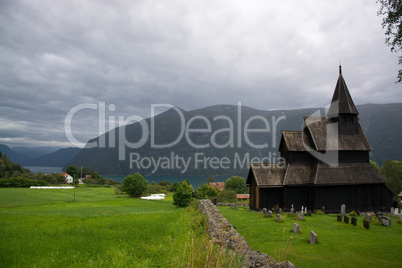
<point>45,228</point>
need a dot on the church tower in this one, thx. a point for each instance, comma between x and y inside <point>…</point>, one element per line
<point>342,108</point>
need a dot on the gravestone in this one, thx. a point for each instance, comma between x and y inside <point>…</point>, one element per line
<point>295,227</point>
<point>354,221</point>
<point>214,201</point>
<point>302,209</point>
<point>300,216</point>
<point>313,237</point>
<point>392,210</point>
<point>269,213</point>
<point>280,211</point>
<point>385,221</point>
<point>396,211</point>
<point>339,218</point>
<point>343,209</point>
<point>292,211</point>
<point>305,210</point>
<point>247,206</point>
<point>235,207</point>
<point>366,224</point>
<point>323,209</point>
<point>346,219</point>
<point>264,211</point>
<point>278,217</point>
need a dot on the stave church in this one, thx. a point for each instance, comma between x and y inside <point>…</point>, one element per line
<point>327,165</point>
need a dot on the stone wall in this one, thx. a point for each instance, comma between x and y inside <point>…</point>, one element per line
<point>223,233</point>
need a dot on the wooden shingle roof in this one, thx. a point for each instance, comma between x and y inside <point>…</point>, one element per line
<point>296,141</point>
<point>347,174</point>
<point>299,175</point>
<point>271,175</point>
<point>326,137</point>
<point>267,175</point>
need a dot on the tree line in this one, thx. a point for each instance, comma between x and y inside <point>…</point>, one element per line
<point>136,186</point>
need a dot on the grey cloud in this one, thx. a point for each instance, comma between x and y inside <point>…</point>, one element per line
<point>267,55</point>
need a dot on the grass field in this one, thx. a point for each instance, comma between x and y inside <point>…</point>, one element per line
<point>339,244</point>
<point>45,228</point>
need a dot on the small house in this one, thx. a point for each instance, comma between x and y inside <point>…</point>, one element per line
<point>68,178</point>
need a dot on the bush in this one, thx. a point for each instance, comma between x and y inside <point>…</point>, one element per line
<point>19,182</point>
<point>227,196</point>
<point>353,213</point>
<point>183,195</point>
<point>135,185</point>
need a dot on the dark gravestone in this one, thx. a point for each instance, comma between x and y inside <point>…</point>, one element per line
<point>346,219</point>
<point>366,224</point>
<point>354,221</point>
<point>214,201</point>
<point>339,218</point>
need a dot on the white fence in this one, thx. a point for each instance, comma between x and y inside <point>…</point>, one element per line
<point>51,187</point>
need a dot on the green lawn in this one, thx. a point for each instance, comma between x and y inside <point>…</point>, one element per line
<point>339,244</point>
<point>45,228</point>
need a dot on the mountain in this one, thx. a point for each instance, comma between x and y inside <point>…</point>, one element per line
<point>12,155</point>
<point>56,159</point>
<point>33,152</point>
<point>221,140</point>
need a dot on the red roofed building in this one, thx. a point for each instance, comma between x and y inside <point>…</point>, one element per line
<point>218,185</point>
<point>243,196</point>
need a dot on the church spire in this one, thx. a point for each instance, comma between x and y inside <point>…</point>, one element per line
<point>342,102</point>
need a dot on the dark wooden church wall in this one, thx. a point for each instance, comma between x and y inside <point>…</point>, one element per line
<point>269,197</point>
<point>370,197</point>
<point>298,196</point>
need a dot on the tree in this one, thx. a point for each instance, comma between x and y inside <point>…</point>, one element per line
<point>174,186</point>
<point>183,195</point>
<point>135,185</point>
<point>392,171</point>
<point>206,191</point>
<point>392,21</point>
<point>236,184</point>
<point>227,196</point>
<point>211,178</point>
<point>72,171</point>
<point>375,165</point>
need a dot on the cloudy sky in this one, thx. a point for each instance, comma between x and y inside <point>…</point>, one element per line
<point>127,55</point>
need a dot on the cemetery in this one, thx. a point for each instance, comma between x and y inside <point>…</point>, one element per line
<point>321,240</point>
